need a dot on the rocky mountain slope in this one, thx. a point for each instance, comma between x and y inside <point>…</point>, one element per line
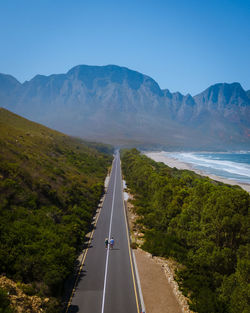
<point>117,105</point>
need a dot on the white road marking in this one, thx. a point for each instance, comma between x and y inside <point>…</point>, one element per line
<point>139,284</point>
<point>107,257</point>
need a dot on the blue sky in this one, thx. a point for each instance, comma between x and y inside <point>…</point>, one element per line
<point>185,46</point>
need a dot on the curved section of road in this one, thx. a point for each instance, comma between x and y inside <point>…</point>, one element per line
<point>106,283</point>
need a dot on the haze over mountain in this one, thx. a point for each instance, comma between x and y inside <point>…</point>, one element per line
<point>117,105</point>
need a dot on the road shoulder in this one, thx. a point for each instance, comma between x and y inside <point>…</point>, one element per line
<point>159,292</point>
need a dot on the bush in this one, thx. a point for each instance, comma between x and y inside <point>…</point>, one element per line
<point>5,302</point>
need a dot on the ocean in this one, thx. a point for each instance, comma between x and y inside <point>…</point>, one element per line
<point>233,165</point>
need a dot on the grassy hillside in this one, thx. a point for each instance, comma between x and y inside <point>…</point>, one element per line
<point>201,223</point>
<point>50,185</point>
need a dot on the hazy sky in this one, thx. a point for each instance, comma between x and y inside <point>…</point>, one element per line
<point>184,45</point>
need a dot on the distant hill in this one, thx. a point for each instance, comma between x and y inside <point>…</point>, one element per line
<point>50,187</point>
<point>117,105</point>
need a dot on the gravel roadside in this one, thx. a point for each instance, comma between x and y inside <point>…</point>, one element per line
<point>157,292</point>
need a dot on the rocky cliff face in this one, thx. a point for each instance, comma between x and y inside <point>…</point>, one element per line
<point>223,98</point>
<point>115,104</point>
<point>226,111</point>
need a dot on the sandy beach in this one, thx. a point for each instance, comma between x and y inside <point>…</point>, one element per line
<point>171,162</point>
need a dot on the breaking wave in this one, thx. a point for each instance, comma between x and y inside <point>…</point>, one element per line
<point>234,166</point>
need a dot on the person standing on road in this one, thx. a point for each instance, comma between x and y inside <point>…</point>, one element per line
<point>106,242</point>
<point>112,242</point>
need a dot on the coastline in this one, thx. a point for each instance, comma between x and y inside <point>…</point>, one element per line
<point>171,162</point>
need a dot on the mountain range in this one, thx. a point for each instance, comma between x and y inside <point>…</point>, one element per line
<point>117,105</point>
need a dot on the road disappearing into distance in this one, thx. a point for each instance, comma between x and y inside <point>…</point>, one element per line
<point>106,282</point>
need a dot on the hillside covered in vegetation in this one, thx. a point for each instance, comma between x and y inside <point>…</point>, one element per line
<point>201,223</point>
<point>50,186</point>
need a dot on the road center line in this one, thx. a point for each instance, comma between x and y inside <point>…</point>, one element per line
<point>107,257</point>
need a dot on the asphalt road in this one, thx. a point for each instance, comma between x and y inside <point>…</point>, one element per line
<point>106,283</point>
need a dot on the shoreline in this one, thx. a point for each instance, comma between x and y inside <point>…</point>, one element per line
<point>171,162</point>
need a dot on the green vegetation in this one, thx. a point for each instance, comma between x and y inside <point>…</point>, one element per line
<point>201,223</point>
<point>50,186</point>
<point>4,302</point>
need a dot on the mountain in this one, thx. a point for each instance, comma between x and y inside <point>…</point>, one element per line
<point>120,106</point>
<point>248,93</point>
<point>8,87</point>
<point>224,110</point>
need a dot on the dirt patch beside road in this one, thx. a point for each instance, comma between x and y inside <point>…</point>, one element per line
<point>157,292</point>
